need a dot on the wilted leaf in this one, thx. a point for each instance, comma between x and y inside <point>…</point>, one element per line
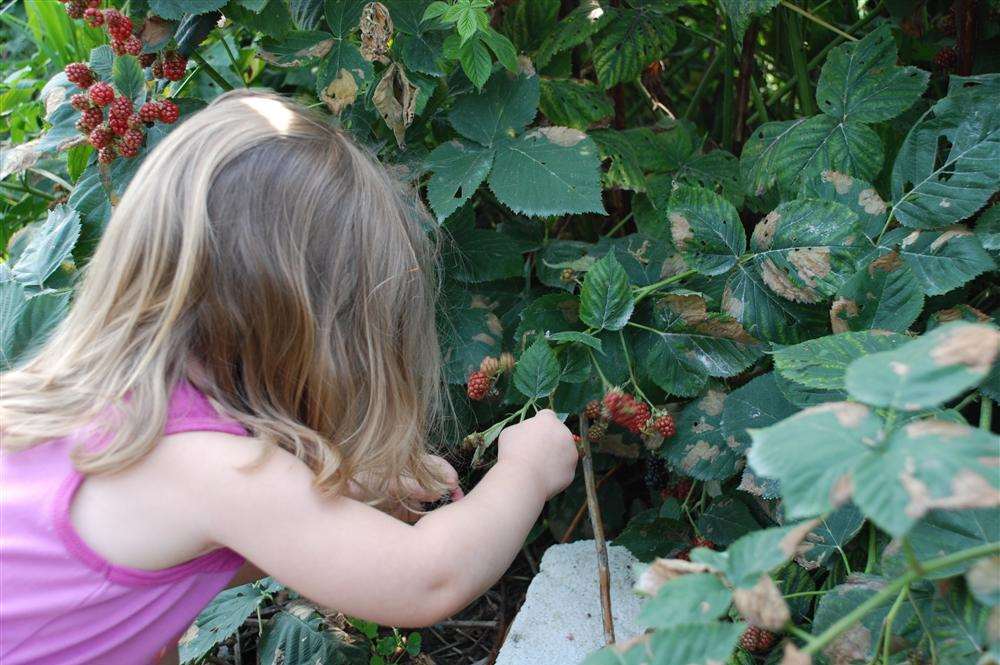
<point>395,99</point>
<point>376,32</point>
<point>762,605</point>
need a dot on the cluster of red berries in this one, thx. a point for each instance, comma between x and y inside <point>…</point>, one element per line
<point>756,639</point>
<point>626,410</point>
<point>122,132</point>
<point>946,59</point>
<point>119,26</point>
<point>170,66</point>
<point>481,381</point>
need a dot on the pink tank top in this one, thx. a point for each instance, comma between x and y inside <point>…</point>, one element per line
<point>62,602</point>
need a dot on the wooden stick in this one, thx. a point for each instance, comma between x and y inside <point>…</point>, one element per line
<point>603,573</point>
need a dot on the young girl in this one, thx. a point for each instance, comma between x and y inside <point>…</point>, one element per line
<point>249,367</point>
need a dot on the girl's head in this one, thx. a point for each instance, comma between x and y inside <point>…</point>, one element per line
<point>263,256</point>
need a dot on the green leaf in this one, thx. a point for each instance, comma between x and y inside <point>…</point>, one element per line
<point>700,449</point>
<point>26,322</point>
<point>860,80</point>
<point>537,371</point>
<point>606,300</point>
<point>689,599</point>
<point>740,12</point>
<point>726,520</point>
<point>960,628</point>
<point>475,61</point>
<point>821,363</point>
<point>175,9</point>
<point>297,47</point>
<point>706,229</point>
<point>949,164</point>
<point>220,619</point>
<point>687,644</point>
<point>479,255</point>
<point>625,168</point>
<point>343,16</point>
<point>344,57</point>
<point>635,38</point>
<point>128,77</point>
<point>648,536</point>
<point>577,337</point>
<point>753,555</point>
<point>690,344</point>
<point>306,14</point>
<point>831,536</point>
<point>805,249</point>
<point>988,228</point>
<point>468,334</point>
<point>761,153</point>
<point>860,642</point>
<point>552,313</point>
<point>822,143</point>
<point>459,168</point>
<point>573,103</point>
<point>928,371</point>
<point>50,245</point>
<point>502,48</point>
<point>886,295</point>
<point>717,170</point>
<point>941,260</point>
<point>766,315</point>
<point>944,531</point>
<point>102,61</point>
<point>290,640</point>
<point>548,171</point>
<point>502,110</point>
<point>756,404</point>
<point>855,193</point>
<point>273,20</point>
<point>587,19</point>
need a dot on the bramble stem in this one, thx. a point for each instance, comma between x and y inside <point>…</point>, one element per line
<point>889,619</point>
<point>818,21</point>
<point>597,524</point>
<point>893,588</point>
<point>644,291</point>
<point>211,71</point>
<point>985,413</point>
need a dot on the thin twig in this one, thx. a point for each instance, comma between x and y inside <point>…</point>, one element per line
<point>818,21</point>
<point>583,506</point>
<point>603,572</point>
<point>463,623</point>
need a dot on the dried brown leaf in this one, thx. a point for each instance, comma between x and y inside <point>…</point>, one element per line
<point>376,32</point>
<point>395,98</point>
<point>762,605</point>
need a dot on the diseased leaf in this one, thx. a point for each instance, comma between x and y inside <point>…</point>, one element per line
<point>635,38</point>
<point>220,619</point>
<point>291,639</point>
<point>297,48</point>
<point>588,18</point>
<point>548,171</point>
<point>860,642</point>
<point>760,156</point>
<point>940,532</point>
<point>469,332</point>
<point>606,301</point>
<point>960,628</point>
<point>831,536</point>
<point>857,194</point>
<point>625,168</point>
<point>706,230</point>
<point>886,295</point>
<point>822,143</point>
<point>766,315</point>
<point>860,80</point>
<point>741,12</point>
<point>688,644</point>
<point>756,404</point>
<point>941,260</point>
<point>756,554</point>
<point>928,371</point>
<point>726,520</point>
<point>573,103</point>
<point>821,363</point>
<point>537,371</point>
<point>701,448</point>
<point>691,599</point>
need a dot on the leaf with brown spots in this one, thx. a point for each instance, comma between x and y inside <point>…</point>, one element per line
<point>886,296</point>
<point>859,642</point>
<point>701,449</point>
<point>705,229</point>
<point>928,371</point>
<point>941,260</point>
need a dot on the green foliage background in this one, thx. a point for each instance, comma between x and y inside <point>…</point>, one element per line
<point>774,220</point>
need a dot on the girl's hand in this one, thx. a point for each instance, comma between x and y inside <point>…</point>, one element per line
<point>544,447</point>
<point>408,491</point>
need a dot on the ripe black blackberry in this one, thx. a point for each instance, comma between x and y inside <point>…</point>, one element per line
<point>657,475</point>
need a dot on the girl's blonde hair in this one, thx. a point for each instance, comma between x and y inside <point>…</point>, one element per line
<point>263,256</point>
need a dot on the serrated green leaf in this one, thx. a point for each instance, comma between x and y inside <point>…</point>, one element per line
<point>552,313</point>
<point>289,640</point>
<point>687,644</point>
<point>706,229</point>
<point>502,48</point>
<point>220,619</point>
<point>625,168</point>
<point>307,14</point>
<point>928,371</point>
<point>807,248</point>
<point>175,9</point>
<point>755,554</point>
<point>821,363</point>
<point>50,245</point>
<point>760,157</point>
<point>860,80</point>
<point>475,61</point>
<point>949,164</point>
<point>26,322</point>
<point>718,171</point>
<point>648,535</point>
<point>831,536</point>
<point>635,38</point>
<point>756,404</point>
<point>459,168</point>
<point>940,532</point>
<point>726,520</point>
<point>689,344</point>
<point>588,18</point>
<point>537,371</point>
<point>297,47</point>
<point>886,295</point>
<point>689,599</point>
<point>342,16</point>
<point>941,260</point>
<point>128,77</point>
<point>479,255</point>
<point>548,171</point>
<point>573,103</point>
<point>102,60</point>
<point>959,628</point>
<point>577,337</point>
<point>606,300</point>
<point>822,143</point>
<point>468,334</point>
<point>855,193</point>
<point>502,110</point>
<point>740,12</point>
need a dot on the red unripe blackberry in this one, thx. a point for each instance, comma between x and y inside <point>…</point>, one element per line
<point>681,489</point>
<point>135,122</point>
<point>75,9</point>
<point>665,426</point>
<point>121,107</point>
<point>946,58</point>
<point>593,410</point>
<point>157,68</point>
<point>169,112</point>
<point>93,17</point>
<point>89,119</point>
<point>118,125</point>
<point>80,102</point>
<point>83,127</point>
<point>146,59</point>
<point>640,416</point>
<point>478,385</point>
<point>698,541</point>
<point>106,155</point>
<point>101,136</point>
<point>756,639</point>
<point>133,138</point>
<point>101,93</point>
<point>174,65</point>
<point>119,27</point>
<point>79,74</point>
<point>149,112</point>
<point>127,151</point>
<point>131,46</point>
